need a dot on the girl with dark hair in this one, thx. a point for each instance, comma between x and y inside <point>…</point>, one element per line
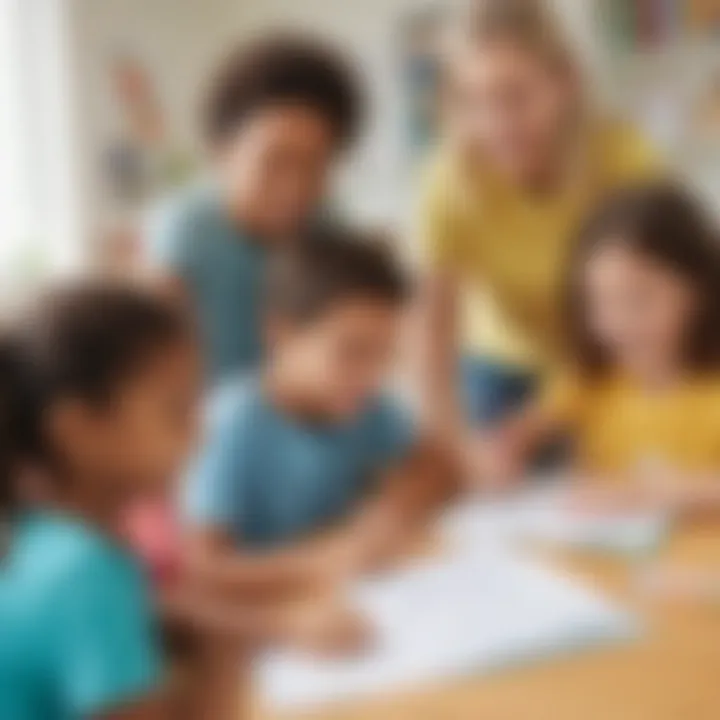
<point>98,406</point>
<point>99,388</point>
<point>642,402</point>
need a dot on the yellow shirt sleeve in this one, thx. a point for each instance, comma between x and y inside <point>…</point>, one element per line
<point>441,228</point>
<point>630,156</point>
<point>563,399</point>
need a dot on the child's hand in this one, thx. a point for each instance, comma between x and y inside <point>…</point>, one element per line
<point>639,491</point>
<point>617,498</point>
<point>339,560</point>
<point>601,499</point>
<point>327,629</point>
<point>377,541</point>
<point>681,584</point>
<point>495,461</point>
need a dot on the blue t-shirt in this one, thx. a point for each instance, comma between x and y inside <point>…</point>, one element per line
<point>76,630</point>
<point>269,478</point>
<point>222,269</point>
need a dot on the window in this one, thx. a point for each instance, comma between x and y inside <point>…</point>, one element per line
<point>38,218</point>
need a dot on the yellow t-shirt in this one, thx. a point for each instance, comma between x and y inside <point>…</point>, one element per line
<point>619,427</point>
<point>508,248</point>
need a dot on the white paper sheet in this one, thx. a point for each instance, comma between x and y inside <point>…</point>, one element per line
<point>543,515</point>
<point>474,612</point>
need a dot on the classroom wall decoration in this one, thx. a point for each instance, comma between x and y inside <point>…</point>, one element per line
<point>420,64</point>
<point>663,57</point>
<point>651,23</point>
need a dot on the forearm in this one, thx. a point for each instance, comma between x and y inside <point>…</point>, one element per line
<point>701,496</point>
<point>262,575</point>
<point>438,359</point>
<point>408,498</point>
<point>420,486</point>
<point>240,621</point>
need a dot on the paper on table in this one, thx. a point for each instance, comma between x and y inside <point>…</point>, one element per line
<point>475,612</point>
<point>542,515</point>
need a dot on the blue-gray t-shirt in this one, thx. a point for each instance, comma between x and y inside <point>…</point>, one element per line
<point>269,478</point>
<point>192,237</point>
<point>76,626</point>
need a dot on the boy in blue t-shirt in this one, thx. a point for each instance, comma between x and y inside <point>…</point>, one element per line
<point>279,113</point>
<point>311,443</point>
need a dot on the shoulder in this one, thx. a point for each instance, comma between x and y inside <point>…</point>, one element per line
<point>449,204</point>
<point>625,152</point>
<point>78,562</point>
<point>444,184</point>
<point>179,223</point>
<point>566,394</point>
<point>97,559</point>
<point>388,424</point>
<point>101,630</point>
<point>707,388</point>
<point>236,404</point>
<point>194,204</point>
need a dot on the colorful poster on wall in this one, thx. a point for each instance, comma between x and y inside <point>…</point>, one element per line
<point>703,17</point>
<point>142,158</point>
<point>421,76</point>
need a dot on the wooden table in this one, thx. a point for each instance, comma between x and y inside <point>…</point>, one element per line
<point>671,673</point>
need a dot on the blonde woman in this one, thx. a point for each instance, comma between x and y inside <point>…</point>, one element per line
<point>523,156</point>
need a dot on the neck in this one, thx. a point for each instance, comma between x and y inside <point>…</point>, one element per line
<point>102,510</point>
<point>658,377</point>
<point>243,217</point>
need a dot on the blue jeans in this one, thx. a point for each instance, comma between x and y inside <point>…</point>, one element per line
<point>492,391</point>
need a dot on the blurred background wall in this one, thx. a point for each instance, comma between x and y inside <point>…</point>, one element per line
<point>181,39</point>
<point>78,66</point>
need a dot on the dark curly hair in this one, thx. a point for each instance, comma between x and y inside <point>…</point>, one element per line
<point>664,222</point>
<point>279,69</point>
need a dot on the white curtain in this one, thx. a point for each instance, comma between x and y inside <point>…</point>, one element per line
<point>39,221</point>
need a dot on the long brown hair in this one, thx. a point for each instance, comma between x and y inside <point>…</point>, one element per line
<point>666,223</point>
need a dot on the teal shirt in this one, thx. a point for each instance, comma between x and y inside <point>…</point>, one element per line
<point>76,631</point>
<point>192,237</point>
<point>269,478</point>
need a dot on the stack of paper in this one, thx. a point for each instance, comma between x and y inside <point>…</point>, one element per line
<point>543,515</point>
<point>474,612</point>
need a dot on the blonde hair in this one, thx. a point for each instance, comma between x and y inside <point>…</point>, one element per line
<point>530,24</point>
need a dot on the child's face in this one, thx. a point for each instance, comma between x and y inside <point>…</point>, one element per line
<point>142,439</point>
<point>638,309</point>
<point>341,359</point>
<point>275,168</point>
